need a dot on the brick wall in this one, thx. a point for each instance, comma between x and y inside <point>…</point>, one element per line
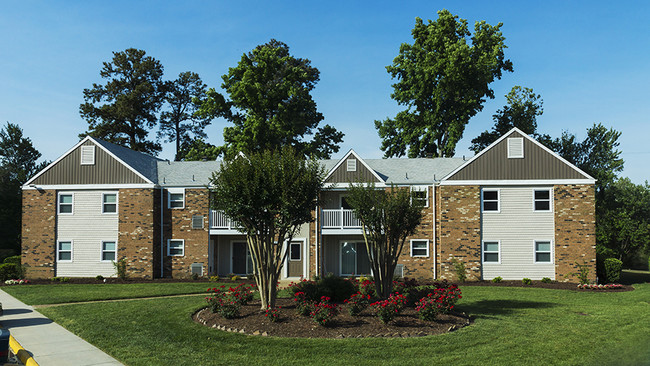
<point>39,233</point>
<point>138,238</point>
<point>178,225</point>
<point>575,231</point>
<point>459,231</point>
<point>420,268</point>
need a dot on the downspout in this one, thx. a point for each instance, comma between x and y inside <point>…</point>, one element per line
<point>162,239</point>
<point>316,226</point>
<point>433,215</point>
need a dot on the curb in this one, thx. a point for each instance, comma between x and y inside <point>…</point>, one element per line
<point>21,353</point>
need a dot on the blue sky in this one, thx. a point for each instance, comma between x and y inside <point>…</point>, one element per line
<point>589,60</point>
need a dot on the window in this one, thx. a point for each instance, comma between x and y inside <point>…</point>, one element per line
<point>351,165</point>
<point>65,203</point>
<point>354,259</point>
<point>490,200</point>
<point>176,247</point>
<point>109,251</point>
<point>87,155</point>
<point>109,203</point>
<point>64,251</point>
<point>295,252</point>
<point>491,252</point>
<point>542,198</point>
<point>515,148</point>
<point>420,195</point>
<point>419,248</point>
<point>176,198</point>
<point>543,251</point>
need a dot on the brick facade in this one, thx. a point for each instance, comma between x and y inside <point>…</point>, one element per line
<point>420,267</point>
<point>138,237</point>
<point>575,231</point>
<point>178,225</point>
<point>38,249</point>
<point>459,231</point>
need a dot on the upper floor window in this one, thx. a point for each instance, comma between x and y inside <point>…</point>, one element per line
<point>419,248</point>
<point>490,200</point>
<point>351,165</point>
<point>65,203</point>
<point>420,195</point>
<point>109,203</point>
<point>542,200</point>
<point>176,198</point>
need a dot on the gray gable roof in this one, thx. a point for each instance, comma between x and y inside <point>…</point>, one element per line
<point>186,173</point>
<point>143,163</point>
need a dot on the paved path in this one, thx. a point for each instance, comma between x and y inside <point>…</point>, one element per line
<point>48,342</point>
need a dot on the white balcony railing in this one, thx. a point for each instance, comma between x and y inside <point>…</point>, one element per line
<point>219,221</point>
<point>339,219</point>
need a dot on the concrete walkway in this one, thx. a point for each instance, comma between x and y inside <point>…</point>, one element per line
<point>48,342</point>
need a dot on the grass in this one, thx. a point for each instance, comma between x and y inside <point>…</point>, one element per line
<point>512,326</point>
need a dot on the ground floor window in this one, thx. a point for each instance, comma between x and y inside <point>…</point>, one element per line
<point>420,248</point>
<point>354,259</point>
<point>242,262</point>
<point>176,247</point>
<point>542,251</point>
<point>491,252</point>
<point>64,251</point>
<point>109,251</point>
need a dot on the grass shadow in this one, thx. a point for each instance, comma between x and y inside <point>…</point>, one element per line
<point>630,277</point>
<point>494,308</point>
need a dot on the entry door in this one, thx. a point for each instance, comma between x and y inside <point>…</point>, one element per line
<point>242,263</point>
<point>295,265</point>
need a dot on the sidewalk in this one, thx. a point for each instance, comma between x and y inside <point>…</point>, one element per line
<point>48,342</point>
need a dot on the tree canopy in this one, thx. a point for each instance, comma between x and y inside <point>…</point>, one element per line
<point>270,194</point>
<point>180,123</point>
<point>125,108</point>
<point>270,105</point>
<point>521,111</point>
<point>443,80</point>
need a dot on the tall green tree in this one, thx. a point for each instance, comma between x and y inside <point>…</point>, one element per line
<point>124,109</point>
<point>18,162</point>
<point>521,111</point>
<point>270,105</point>
<point>180,122</point>
<point>387,218</point>
<point>443,80</point>
<point>270,194</point>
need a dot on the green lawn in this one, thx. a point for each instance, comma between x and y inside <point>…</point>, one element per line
<point>513,326</point>
<point>62,293</point>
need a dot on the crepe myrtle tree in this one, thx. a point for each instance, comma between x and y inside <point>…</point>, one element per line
<point>270,194</point>
<point>388,217</point>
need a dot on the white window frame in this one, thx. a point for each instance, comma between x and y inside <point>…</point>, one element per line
<point>299,243</point>
<point>421,189</point>
<point>104,194</point>
<point>550,199</point>
<point>58,203</point>
<point>519,141</point>
<point>58,250</point>
<point>498,200</point>
<point>551,252</point>
<point>169,241</point>
<point>426,248</point>
<point>171,191</point>
<point>102,251</point>
<point>483,251</point>
<point>351,165</point>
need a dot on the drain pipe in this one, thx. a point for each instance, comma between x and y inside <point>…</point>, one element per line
<point>433,216</point>
<point>316,225</point>
<point>162,239</point>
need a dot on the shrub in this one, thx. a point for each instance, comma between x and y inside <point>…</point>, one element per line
<point>357,303</point>
<point>337,288</point>
<point>497,279</point>
<point>99,278</point>
<point>613,268</point>
<point>366,287</point>
<point>324,312</point>
<point>461,273</point>
<point>10,271</point>
<point>427,308</point>
<point>16,282</point>
<point>235,278</point>
<point>13,259</point>
<point>226,303</point>
<point>546,280</point>
<point>526,281</point>
<point>120,269</point>
<point>195,276</point>
<point>214,278</point>
<point>609,286</point>
<point>60,279</point>
<point>273,315</point>
<point>304,306</point>
<point>388,309</point>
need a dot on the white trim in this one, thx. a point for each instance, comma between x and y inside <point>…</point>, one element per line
<point>550,199</point>
<point>171,191</point>
<point>87,186</point>
<point>352,152</point>
<point>65,251</point>
<point>419,188</point>
<point>498,210</point>
<point>117,199</point>
<point>304,251</point>
<point>515,129</point>
<point>88,138</point>
<point>426,248</point>
<point>58,203</point>
<point>515,140</point>
<point>527,182</point>
<point>552,251</point>
<point>102,251</point>
<point>346,186</point>
<point>483,251</point>
<point>291,251</point>
<point>182,248</point>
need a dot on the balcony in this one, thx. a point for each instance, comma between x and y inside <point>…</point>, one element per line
<point>340,219</point>
<point>221,224</point>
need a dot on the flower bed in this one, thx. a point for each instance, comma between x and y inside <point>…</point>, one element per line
<point>609,286</point>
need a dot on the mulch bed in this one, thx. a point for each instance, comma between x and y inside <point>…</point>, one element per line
<point>253,322</point>
<point>539,284</point>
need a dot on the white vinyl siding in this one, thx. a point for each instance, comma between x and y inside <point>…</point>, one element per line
<point>87,227</point>
<point>516,227</point>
